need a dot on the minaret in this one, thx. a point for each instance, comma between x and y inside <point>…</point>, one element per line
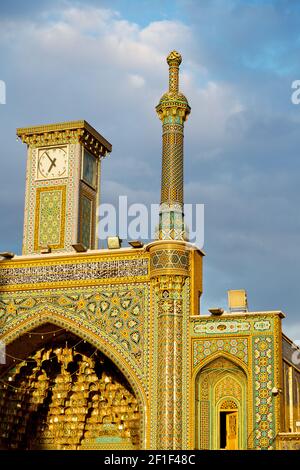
<point>170,267</point>
<point>172,110</point>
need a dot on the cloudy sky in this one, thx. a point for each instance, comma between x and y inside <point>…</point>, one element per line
<point>104,61</point>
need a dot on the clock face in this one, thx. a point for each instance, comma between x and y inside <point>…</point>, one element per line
<point>53,163</point>
<point>89,172</point>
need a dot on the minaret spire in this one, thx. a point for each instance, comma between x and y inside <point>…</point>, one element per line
<point>174,60</point>
<point>172,110</point>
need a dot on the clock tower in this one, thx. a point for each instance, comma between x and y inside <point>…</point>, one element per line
<point>62,185</point>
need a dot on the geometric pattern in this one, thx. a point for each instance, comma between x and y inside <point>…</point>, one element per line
<point>171,223</point>
<point>169,413</point>
<point>216,336</point>
<point>173,259</point>
<point>220,384</point>
<point>75,137</point>
<point>221,326</point>
<point>238,347</point>
<point>228,387</point>
<point>204,409</point>
<point>263,371</point>
<point>214,326</point>
<point>228,405</point>
<point>170,378</point>
<point>170,314</point>
<point>117,312</point>
<point>172,110</point>
<point>33,186</point>
<point>172,165</point>
<point>50,217</point>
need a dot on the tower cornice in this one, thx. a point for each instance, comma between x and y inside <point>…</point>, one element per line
<point>66,132</point>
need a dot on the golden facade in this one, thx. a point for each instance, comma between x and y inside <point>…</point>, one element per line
<point>107,349</point>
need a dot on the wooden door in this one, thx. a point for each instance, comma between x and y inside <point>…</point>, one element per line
<point>232,430</point>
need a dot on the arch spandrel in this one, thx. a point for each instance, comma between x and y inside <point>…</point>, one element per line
<point>118,314</point>
<point>220,355</point>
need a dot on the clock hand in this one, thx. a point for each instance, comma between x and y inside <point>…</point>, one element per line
<point>49,157</point>
<point>52,164</point>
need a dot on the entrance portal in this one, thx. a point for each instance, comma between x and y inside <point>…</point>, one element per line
<point>221,406</point>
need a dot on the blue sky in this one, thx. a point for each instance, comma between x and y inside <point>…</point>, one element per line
<point>104,61</point>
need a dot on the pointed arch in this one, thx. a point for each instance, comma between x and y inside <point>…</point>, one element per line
<point>96,340</point>
<point>225,380</point>
<point>235,360</point>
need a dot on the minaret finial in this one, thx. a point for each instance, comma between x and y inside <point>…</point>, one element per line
<point>174,60</point>
<point>172,110</point>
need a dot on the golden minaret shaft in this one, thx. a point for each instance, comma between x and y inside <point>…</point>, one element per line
<point>172,110</point>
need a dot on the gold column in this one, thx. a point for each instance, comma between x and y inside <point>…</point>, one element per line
<point>169,291</point>
<point>169,270</point>
<point>172,110</point>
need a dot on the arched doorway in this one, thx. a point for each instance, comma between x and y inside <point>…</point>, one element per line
<point>221,406</point>
<point>228,424</point>
<point>57,391</point>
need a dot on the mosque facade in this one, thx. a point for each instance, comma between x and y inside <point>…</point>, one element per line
<point>109,348</point>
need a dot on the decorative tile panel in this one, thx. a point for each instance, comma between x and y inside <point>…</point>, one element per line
<point>50,215</point>
<point>263,376</point>
<point>70,271</point>
<point>162,259</point>
<point>202,349</point>
<point>221,327</point>
<point>117,313</point>
<point>33,187</point>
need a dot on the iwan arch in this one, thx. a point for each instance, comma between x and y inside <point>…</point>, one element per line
<point>221,403</point>
<point>51,322</point>
<point>106,349</point>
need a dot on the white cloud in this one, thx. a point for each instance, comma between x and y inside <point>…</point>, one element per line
<point>171,34</point>
<point>89,19</point>
<point>92,63</point>
<point>137,81</point>
<point>99,49</point>
<point>213,106</point>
